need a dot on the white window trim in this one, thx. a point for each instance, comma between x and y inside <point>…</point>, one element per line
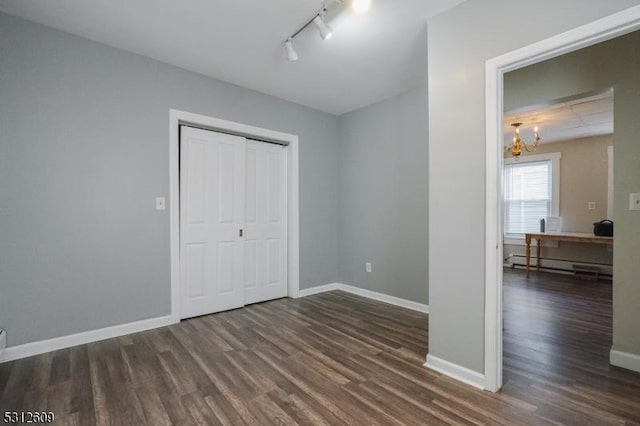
<point>554,157</point>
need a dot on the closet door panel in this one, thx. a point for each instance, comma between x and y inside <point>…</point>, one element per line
<point>266,222</point>
<point>212,185</point>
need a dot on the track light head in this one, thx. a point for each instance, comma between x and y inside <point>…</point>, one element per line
<point>325,30</point>
<point>292,56</point>
<point>318,20</point>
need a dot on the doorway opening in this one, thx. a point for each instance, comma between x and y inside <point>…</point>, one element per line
<point>605,29</point>
<point>557,278</point>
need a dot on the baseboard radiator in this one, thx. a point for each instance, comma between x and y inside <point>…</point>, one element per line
<point>566,267</point>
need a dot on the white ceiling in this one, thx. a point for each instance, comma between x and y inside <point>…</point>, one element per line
<point>369,57</point>
<point>575,118</point>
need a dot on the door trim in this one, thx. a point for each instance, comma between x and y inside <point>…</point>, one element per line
<point>600,30</point>
<point>176,118</point>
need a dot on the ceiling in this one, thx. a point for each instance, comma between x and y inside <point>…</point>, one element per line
<point>571,118</point>
<point>370,57</point>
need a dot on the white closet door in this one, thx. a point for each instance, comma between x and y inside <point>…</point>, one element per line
<point>212,206</point>
<point>265,222</point>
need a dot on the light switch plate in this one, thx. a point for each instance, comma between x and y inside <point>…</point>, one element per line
<point>367,267</point>
<point>161,203</point>
<point>634,201</point>
<point>591,205</point>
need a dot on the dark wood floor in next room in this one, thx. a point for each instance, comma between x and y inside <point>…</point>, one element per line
<point>335,358</point>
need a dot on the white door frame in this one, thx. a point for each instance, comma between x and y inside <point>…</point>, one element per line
<point>604,29</point>
<point>176,118</point>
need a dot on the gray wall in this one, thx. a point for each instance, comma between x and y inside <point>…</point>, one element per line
<point>614,63</point>
<point>583,178</point>
<point>383,196</point>
<point>460,42</point>
<point>84,137</point>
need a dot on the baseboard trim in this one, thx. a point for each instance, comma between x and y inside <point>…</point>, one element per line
<point>455,371</point>
<point>369,294</point>
<point>315,290</point>
<point>43,346</point>
<point>625,360</point>
<point>13,353</point>
<point>381,297</point>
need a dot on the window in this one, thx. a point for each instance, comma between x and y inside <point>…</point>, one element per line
<point>527,193</point>
<point>531,193</point>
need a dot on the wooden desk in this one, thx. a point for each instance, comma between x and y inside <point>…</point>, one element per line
<point>560,236</point>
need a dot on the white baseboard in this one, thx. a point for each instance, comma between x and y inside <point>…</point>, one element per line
<point>315,290</point>
<point>455,371</point>
<point>625,360</point>
<point>369,294</point>
<point>36,348</point>
<point>43,346</point>
<point>381,297</point>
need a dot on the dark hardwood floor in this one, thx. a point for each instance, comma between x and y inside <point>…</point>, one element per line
<point>557,338</point>
<point>335,358</point>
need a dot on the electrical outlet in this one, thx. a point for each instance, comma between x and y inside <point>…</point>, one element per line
<point>634,201</point>
<point>367,267</point>
<point>161,203</point>
<point>592,205</point>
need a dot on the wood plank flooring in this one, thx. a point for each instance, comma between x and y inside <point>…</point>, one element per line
<point>338,359</point>
<point>557,338</point>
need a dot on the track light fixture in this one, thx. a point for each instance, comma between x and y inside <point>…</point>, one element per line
<point>292,56</point>
<point>318,19</point>
<point>325,30</point>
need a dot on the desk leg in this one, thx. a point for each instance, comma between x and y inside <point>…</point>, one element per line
<point>538,256</point>
<point>528,241</point>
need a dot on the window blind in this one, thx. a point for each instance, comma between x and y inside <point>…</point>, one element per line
<point>527,196</point>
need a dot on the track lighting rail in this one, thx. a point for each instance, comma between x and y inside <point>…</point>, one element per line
<point>320,13</point>
<point>318,20</point>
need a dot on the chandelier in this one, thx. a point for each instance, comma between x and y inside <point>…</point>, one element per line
<point>518,144</point>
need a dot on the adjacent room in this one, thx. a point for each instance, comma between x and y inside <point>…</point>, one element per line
<point>319,212</point>
<point>557,189</point>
